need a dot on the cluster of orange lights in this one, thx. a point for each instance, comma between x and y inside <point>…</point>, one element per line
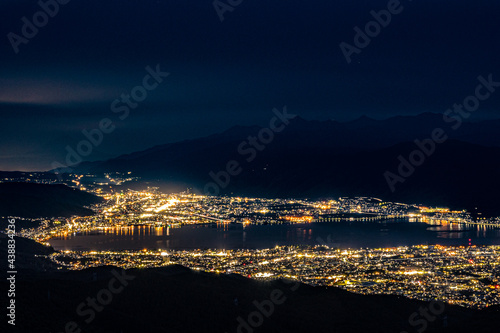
<point>299,218</point>
<point>434,210</point>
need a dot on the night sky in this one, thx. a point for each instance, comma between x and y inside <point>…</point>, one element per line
<point>264,54</point>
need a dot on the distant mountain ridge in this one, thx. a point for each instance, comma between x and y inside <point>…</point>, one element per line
<point>329,158</point>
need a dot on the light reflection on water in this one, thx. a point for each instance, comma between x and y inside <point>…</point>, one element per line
<point>387,233</point>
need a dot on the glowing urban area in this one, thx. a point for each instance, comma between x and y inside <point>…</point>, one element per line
<point>462,275</point>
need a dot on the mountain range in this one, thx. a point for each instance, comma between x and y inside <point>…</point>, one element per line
<point>322,159</point>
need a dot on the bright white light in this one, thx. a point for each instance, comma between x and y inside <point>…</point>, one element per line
<point>263,274</point>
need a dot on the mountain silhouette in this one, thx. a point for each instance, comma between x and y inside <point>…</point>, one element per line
<point>315,159</point>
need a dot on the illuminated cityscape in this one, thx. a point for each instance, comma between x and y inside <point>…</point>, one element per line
<point>249,166</point>
<point>154,209</point>
<point>464,275</point>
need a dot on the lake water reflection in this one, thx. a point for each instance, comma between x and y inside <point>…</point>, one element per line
<point>354,234</point>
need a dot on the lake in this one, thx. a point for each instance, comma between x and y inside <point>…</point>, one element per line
<point>388,233</point>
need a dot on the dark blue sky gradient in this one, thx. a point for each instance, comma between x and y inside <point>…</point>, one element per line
<point>265,54</point>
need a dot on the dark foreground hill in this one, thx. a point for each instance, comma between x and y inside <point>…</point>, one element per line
<point>177,299</point>
<point>41,200</point>
<point>27,251</point>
